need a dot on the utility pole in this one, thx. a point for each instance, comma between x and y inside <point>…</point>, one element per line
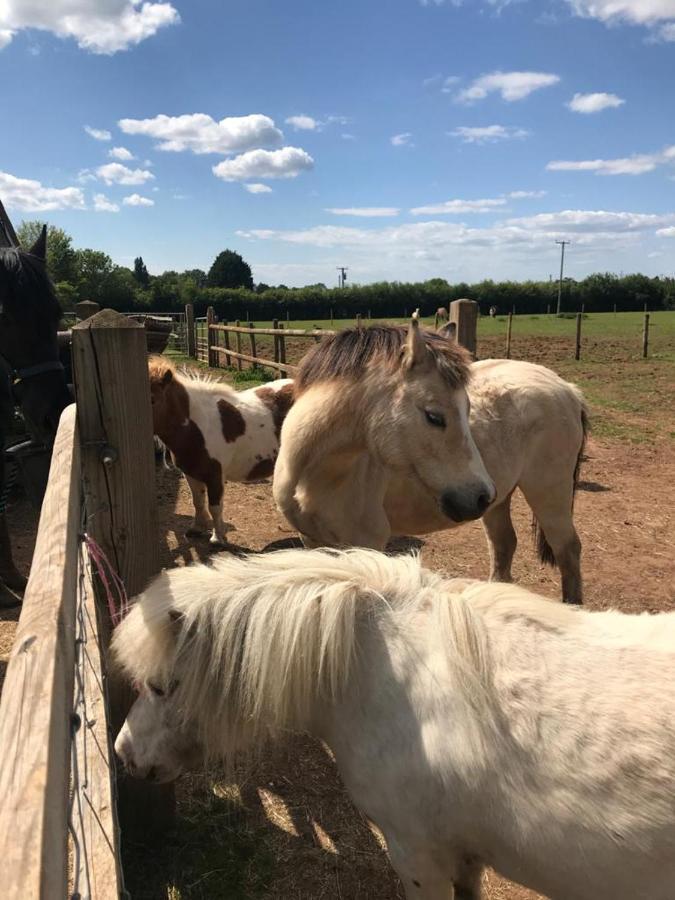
<point>563,244</point>
<point>342,275</point>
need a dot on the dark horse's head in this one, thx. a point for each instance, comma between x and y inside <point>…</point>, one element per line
<point>29,318</point>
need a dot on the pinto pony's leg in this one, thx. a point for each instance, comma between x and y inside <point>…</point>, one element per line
<point>501,538</point>
<point>214,489</point>
<point>202,520</point>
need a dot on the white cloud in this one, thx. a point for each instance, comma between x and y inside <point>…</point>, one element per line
<point>98,134</point>
<point>137,200</point>
<point>303,123</point>
<point>106,26</point>
<point>288,162</point>
<point>593,103</point>
<point>459,207</point>
<point>256,188</point>
<point>401,140</point>
<point>637,164</point>
<point>511,85</point>
<point>449,84</point>
<point>116,173</point>
<point>202,134</point>
<point>348,137</point>
<point>666,232</point>
<point>121,153</point>
<point>525,195</point>
<point>636,12</point>
<point>488,134</point>
<point>102,204</point>
<point>31,196</point>
<point>5,37</point>
<point>366,212</point>
<point>667,32</point>
<point>583,220</point>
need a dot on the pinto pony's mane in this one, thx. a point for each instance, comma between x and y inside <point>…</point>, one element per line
<point>159,366</point>
<point>254,645</point>
<point>26,288</point>
<point>352,352</point>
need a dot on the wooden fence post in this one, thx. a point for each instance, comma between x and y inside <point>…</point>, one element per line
<point>238,342</point>
<point>275,326</point>
<point>464,313</point>
<point>190,329</point>
<point>358,320</point>
<point>226,342</point>
<point>577,345</point>
<point>331,317</point>
<point>282,352</point>
<point>645,336</point>
<point>508,336</point>
<point>118,472</point>
<point>252,337</point>
<point>210,320</point>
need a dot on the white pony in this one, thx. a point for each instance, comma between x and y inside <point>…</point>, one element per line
<point>216,434</point>
<point>359,444</point>
<point>476,724</point>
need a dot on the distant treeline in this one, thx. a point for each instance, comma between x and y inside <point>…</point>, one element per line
<point>597,293</point>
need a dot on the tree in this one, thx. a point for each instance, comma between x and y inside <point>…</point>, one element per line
<point>93,269</point>
<point>230,271</point>
<point>140,272</point>
<point>60,254</point>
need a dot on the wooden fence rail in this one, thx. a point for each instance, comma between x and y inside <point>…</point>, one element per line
<point>212,350</point>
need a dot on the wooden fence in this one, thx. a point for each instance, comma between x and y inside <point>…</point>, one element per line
<point>221,343</point>
<point>60,708</point>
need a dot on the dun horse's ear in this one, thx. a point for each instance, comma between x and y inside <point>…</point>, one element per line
<point>39,248</point>
<point>167,377</point>
<point>415,353</point>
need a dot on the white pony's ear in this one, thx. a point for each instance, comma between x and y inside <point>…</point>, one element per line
<point>415,352</point>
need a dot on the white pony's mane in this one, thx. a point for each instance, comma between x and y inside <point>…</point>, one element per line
<point>254,643</point>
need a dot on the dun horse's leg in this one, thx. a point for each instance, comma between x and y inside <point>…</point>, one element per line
<point>422,879</point>
<point>468,879</point>
<point>202,520</point>
<point>552,508</point>
<point>501,538</point>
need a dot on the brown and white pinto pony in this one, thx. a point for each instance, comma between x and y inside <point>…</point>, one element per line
<point>216,434</point>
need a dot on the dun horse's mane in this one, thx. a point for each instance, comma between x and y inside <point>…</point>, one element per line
<point>353,351</point>
<point>25,284</point>
<point>255,644</point>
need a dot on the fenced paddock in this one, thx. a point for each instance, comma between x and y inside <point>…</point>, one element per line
<point>59,707</point>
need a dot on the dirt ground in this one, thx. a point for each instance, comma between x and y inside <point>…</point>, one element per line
<point>288,830</point>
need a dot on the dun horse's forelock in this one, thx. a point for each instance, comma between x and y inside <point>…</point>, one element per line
<point>352,352</point>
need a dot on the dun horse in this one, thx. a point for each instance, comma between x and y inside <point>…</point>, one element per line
<point>378,444</point>
<point>216,434</point>
<point>473,723</point>
<point>30,370</point>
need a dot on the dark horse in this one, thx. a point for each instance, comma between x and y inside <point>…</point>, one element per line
<point>31,373</point>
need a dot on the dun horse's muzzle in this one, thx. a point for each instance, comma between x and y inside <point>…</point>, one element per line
<point>465,504</point>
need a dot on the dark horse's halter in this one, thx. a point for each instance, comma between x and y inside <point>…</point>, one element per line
<point>19,375</point>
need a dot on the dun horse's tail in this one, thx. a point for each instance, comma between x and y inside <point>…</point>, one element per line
<point>543,547</point>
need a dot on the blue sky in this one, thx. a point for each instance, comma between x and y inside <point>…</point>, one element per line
<point>403,139</point>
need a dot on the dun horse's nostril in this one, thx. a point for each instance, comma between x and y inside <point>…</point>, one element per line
<point>483,501</point>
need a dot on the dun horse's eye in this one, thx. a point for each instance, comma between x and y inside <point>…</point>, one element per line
<point>435,419</point>
<point>157,691</point>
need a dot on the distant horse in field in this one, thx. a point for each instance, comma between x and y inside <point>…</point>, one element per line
<point>377,444</point>
<point>32,374</point>
<point>473,723</point>
<point>493,311</point>
<point>216,434</point>
<point>441,314</point>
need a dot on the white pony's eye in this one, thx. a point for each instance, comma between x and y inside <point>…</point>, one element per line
<point>435,419</point>
<point>157,691</point>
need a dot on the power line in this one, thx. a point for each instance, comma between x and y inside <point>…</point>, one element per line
<point>563,244</point>
<point>342,276</point>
